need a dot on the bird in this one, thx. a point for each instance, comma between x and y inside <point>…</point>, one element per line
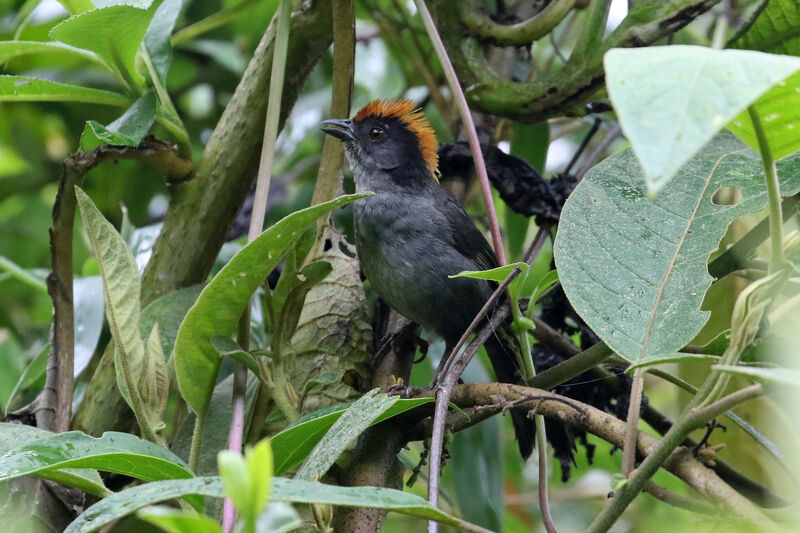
<point>412,234</point>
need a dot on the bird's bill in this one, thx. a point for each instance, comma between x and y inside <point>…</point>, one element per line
<point>340,128</point>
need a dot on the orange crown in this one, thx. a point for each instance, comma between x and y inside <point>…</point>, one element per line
<point>411,116</point>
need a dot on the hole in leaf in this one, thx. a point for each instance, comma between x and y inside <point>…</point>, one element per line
<point>328,245</point>
<point>728,195</point>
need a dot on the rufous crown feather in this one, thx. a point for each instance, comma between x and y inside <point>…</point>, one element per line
<point>412,117</point>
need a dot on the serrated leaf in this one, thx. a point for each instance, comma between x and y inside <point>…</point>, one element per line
<point>127,130</point>
<point>293,444</point>
<point>27,89</point>
<point>121,286</point>
<point>347,428</point>
<point>130,500</point>
<point>114,33</point>
<point>14,436</point>
<point>154,380</point>
<point>697,92</point>
<point>172,520</point>
<point>635,269</point>
<point>222,301</point>
<point>120,453</point>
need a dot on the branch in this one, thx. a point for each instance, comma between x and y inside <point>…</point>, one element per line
<point>564,91</point>
<point>469,126</point>
<point>660,455</point>
<point>54,408</point>
<point>451,378</point>
<point>521,33</point>
<point>499,396</point>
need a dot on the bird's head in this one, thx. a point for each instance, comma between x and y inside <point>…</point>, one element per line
<point>388,136</point>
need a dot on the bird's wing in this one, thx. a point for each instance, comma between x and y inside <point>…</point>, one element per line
<point>468,240</point>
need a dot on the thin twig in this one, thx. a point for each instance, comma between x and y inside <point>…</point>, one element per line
<point>469,125</point>
<point>475,321</point>
<point>598,152</point>
<point>443,393</point>
<point>632,424</point>
<point>54,409</point>
<point>451,378</point>
<point>256,226</point>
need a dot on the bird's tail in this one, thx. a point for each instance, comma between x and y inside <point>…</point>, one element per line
<point>503,348</point>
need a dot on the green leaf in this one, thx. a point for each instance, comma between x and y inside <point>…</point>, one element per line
<point>121,287</point>
<point>130,500</point>
<point>13,436</point>
<point>77,6</point>
<point>172,520</point>
<point>12,49</point>
<point>260,471</point>
<point>235,480</point>
<point>35,370</point>
<point>697,92</point>
<point>674,358</point>
<point>776,376</point>
<point>156,40</point>
<point>358,417</point>
<point>779,110</point>
<point>293,444</point>
<point>120,453</point>
<point>154,380</point>
<point>279,517</point>
<point>222,301</point>
<point>127,130</point>
<point>498,274</point>
<point>227,347</point>
<point>547,281</point>
<point>23,275</point>
<point>775,30</point>
<point>114,33</point>
<point>168,311</point>
<point>87,295</point>
<point>27,89</point>
<point>635,269</point>
<point>289,308</point>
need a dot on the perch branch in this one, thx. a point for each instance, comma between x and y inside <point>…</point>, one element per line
<point>521,33</point>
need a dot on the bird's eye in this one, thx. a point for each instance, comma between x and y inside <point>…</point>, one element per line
<point>376,134</point>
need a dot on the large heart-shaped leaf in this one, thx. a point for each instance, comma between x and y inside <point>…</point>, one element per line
<point>634,268</point>
<point>671,100</point>
<point>222,301</point>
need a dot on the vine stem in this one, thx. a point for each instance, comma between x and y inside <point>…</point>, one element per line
<point>445,388</point>
<point>469,125</point>
<point>690,419</point>
<point>773,194</point>
<point>271,123</point>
